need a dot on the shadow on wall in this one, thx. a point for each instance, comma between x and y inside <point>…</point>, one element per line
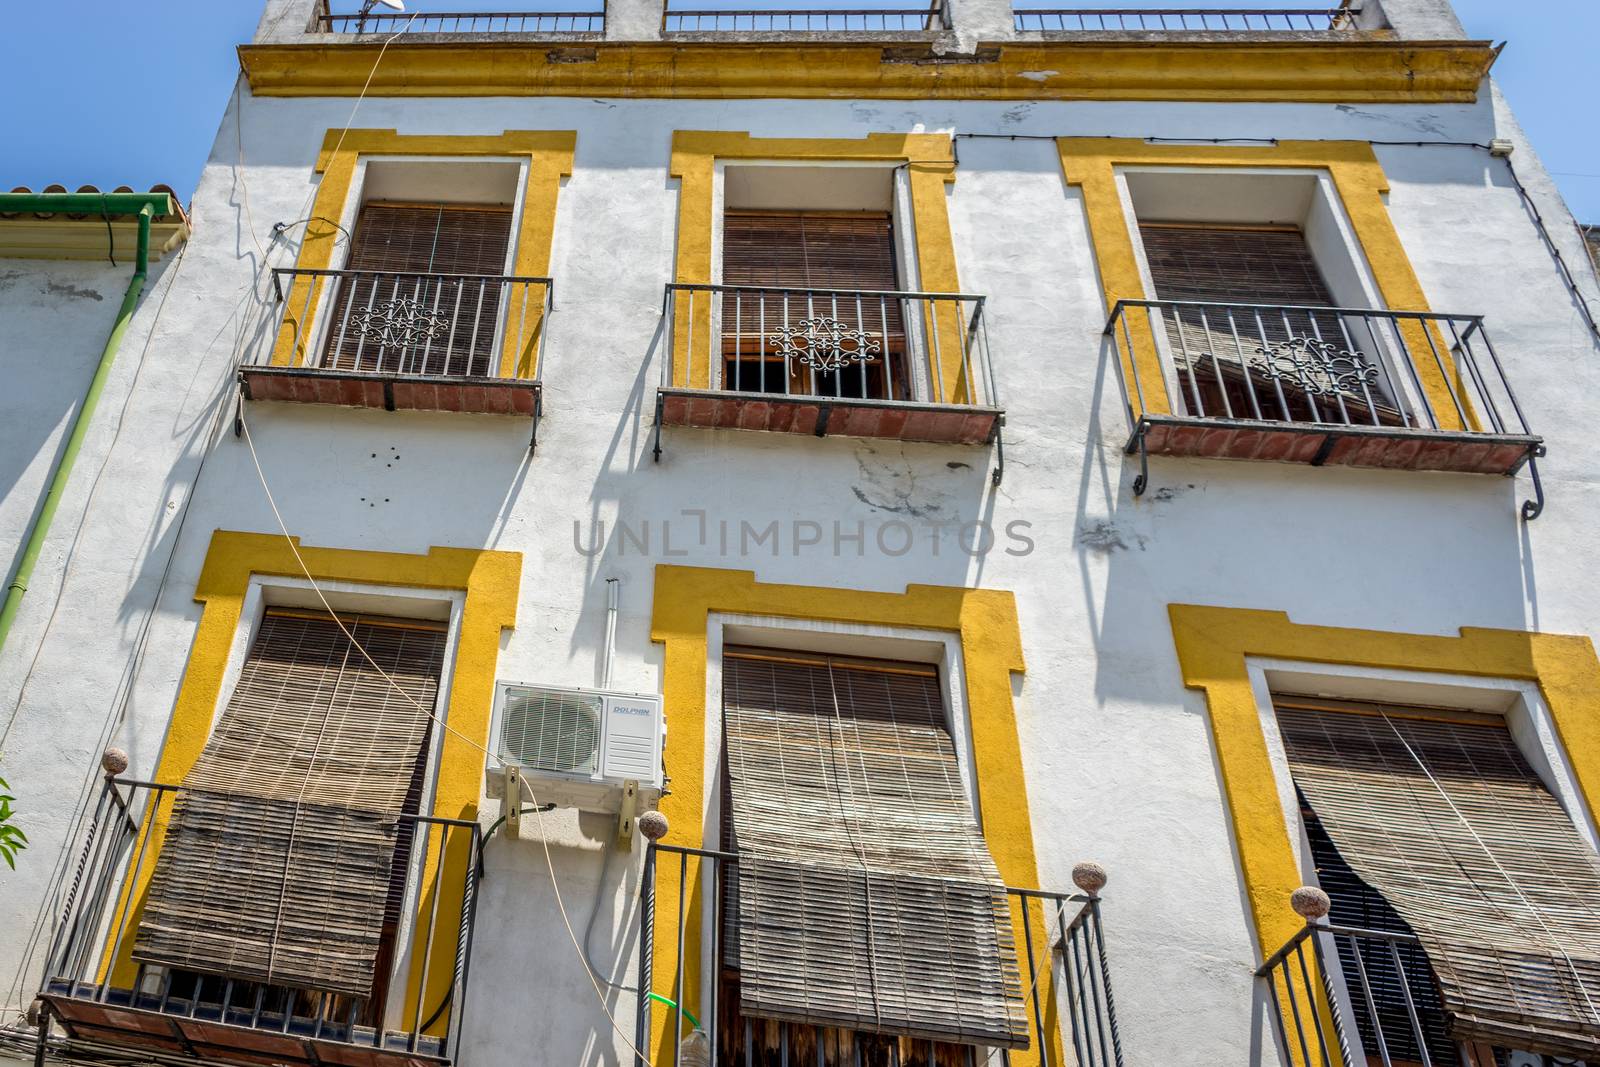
<point>598,885</point>
<point>57,316</point>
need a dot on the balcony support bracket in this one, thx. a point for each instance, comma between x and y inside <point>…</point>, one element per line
<point>1136,443</point>
<point>998,439</point>
<point>660,404</point>
<point>1532,509</point>
<point>42,1046</point>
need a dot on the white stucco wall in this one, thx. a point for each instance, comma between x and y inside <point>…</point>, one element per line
<point>56,317</point>
<point>1118,758</point>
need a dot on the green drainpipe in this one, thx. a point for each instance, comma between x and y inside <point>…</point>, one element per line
<point>144,206</point>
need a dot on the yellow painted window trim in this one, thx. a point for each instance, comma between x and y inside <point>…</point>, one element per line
<point>985,622</point>
<point>1348,70</point>
<point>1090,164</point>
<point>1213,645</point>
<point>549,156</point>
<point>490,580</point>
<point>929,159</point>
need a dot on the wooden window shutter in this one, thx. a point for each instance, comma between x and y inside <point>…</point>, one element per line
<point>416,239</point>
<point>809,250</point>
<point>797,250</point>
<point>864,896</point>
<point>279,865</point>
<point>1448,823</point>
<point>1233,264</point>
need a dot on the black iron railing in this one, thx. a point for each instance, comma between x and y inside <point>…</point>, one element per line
<point>805,20</point>
<point>1180,20</point>
<point>412,325</point>
<point>1355,386</point>
<point>929,348</point>
<point>530,22</point>
<point>1348,366</point>
<point>90,968</point>
<point>1060,938</point>
<point>1348,997</point>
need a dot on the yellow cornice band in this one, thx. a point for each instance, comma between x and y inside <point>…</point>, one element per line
<point>1360,70</point>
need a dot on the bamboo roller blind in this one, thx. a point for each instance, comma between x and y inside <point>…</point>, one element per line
<point>866,897</point>
<point>1505,902</point>
<point>279,861</point>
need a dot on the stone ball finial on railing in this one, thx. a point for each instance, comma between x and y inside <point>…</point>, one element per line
<point>1310,903</point>
<point>1089,877</point>
<point>113,761</point>
<point>653,825</point>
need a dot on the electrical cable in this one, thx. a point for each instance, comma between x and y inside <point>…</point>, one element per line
<point>1529,204</point>
<point>122,698</point>
<point>111,238</point>
<point>1512,882</point>
<point>594,913</point>
<point>544,840</point>
<point>122,695</point>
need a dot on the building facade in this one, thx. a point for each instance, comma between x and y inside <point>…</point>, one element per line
<point>962,513</point>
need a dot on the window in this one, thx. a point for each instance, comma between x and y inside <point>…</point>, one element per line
<point>864,904</point>
<point>1431,827</point>
<point>285,864</point>
<point>398,255</point>
<point>788,254</point>
<point>1237,260</point>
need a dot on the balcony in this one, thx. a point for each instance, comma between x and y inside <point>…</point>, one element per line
<point>873,22</point>
<point>419,342</point>
<point>1348,997</point>
<point>1059,936</point>
<point>858,363</point>
<point>1317,385</point>
<point>105,999</point>
<point>1178,20</point>
<point>578,24</point>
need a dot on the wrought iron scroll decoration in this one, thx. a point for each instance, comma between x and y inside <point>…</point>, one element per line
<point>399,323</point>
<point>1316,367</point>
<point>824,344</point>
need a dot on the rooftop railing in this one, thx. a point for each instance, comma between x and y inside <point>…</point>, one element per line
<point>1186,20</point>
<point>1059,935</point>
<point>474,22</point>
<point>927,19</point>
<point>1317,385</point>
<point>101,995</point>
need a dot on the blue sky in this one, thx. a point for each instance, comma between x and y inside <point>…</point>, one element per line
<point>131,93</point>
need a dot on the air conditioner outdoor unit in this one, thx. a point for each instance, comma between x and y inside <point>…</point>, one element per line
<point>590,749</point>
